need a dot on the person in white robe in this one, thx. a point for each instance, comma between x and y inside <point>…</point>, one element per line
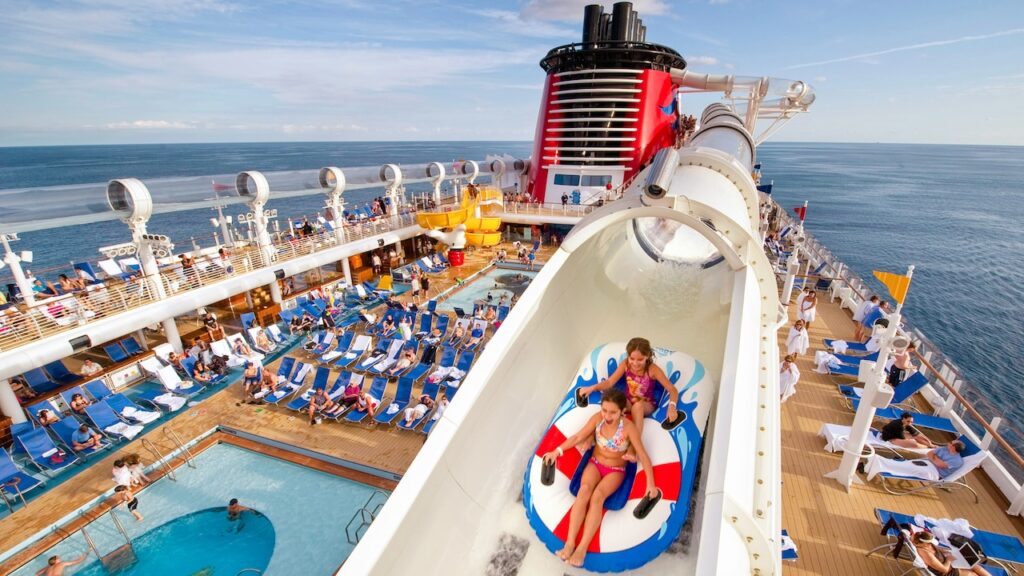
<point>798,341</point>
<point>789,374</point>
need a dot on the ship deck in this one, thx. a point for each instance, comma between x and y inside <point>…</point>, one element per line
<point>381,447</point>
<point>833,529</point>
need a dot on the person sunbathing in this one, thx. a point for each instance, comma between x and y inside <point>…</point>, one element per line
<point>351,394</point>
<point>423,405</point>
<point>947,459</point>
<point>263,343</point>
<point>388,327</point>
<point>85,438</point>
<point>490,315</point>
<point>642,374</point>
<point>46,417</point>
<point>240,348</point>
<point>903,433</point>
<point>474,338</point>
<point>458,335</point>
<point>407,359</point>
<point>78,404</point>
<point>938,561</point>
<point>613,435</point>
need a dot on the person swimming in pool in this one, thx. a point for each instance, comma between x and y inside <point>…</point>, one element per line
<point>641,376</point>
<point>612,435</point>
<point>235,509</point>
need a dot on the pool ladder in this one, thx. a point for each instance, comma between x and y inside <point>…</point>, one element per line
<point>365,515</point>
<point>183,451</point>
<point>118,558</point>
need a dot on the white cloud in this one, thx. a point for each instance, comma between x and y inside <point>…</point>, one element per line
<point>150,125</point>
<point>515,23</point>
<point>572,10</point>
<point>702,60</point>
<point>820,79</point>
<point>869,56</point>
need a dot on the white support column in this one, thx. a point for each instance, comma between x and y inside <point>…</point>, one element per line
<point>172,335</point>
<point>1017,506</point>
<point>792,265</point>
<point>346,269</point>
<point>140,335</point>
<point>9,404</point>
<point>877,394</point>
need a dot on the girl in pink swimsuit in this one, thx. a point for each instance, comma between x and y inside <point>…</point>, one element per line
<point>612,435</point>
<point>641,376</point>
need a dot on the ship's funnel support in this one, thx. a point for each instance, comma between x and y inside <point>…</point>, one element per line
<point>663,169</point>
<point>471,170</point>
<point>392,175</point>
<point>131,198</point>
<point>254,186</point>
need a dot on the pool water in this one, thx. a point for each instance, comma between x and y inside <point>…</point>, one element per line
<point>497,282</point>
<point>203,542</point>
<point>301,530</point>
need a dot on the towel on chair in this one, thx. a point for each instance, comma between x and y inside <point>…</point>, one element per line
<point>839,346</point>
<point>823,361</point>
<point>925,470</point>
<point>943,528</point>
<point>171,401</point>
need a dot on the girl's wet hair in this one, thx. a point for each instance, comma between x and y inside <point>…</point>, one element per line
<point>615,396</point>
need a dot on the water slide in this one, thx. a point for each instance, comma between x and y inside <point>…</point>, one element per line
<point>679,261</point>
<point>473,212</point>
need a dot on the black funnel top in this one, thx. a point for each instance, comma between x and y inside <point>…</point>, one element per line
<point>616,40</point>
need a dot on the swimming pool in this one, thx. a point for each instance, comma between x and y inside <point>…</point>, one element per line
<point>496,281</point>
<point>300,529</point>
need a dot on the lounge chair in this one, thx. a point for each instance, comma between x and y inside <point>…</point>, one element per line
<point>430,389</point>
<point>39,381</point>
<point>902,392</point>
<point>788,547</point>
<point>107,421</point>
<point>920,420</point>
<point>301,402</point>
<point>341,346</point>
<point>173,383</point>
<point>292,385</point>
<point>836,436</point>
<point>998,548</point>
<point>324,345</point>
<point>503,313</point>
<point>222,348</point>
<point>377,391</point>
<point>162,400</point>
<point>65,430</point>
<point>131,346</point>
<point>43,453</point>
<point>799,283</point>
<point>442,324</point>
<point>426,321</point>
<point>115,352</point>
<point>33,410</point>
<point>348,378</point>
<point>432,306</point>
<point>60,374</point>
<point>392,357</point>
<point>13,480</point>
<point>131,411</point>
<point>254,357</point>
<point>403,393</point>
<point>151,365</point>
<point>248,319</point>
<point>924,472</point>
<point>275,334</point>
<point>98,389</point>
<point>359,347</point>
<point>378,354</point>
<point>862,347</point>
<point>68,394</point>
<point>459,371</point>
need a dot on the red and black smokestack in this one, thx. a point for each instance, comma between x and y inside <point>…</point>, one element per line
<point>608,101</point>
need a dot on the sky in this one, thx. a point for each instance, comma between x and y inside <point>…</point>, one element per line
<point>158,71</point>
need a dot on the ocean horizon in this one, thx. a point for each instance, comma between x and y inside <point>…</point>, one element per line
<point>951,210</point>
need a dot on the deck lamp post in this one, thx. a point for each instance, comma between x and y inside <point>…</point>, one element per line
<point>332,181</point>
<point>877,393</point>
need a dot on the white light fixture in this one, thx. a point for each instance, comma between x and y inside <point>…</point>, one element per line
<point>214,222</point>
<point>26,256</point>
<point>228,218</point>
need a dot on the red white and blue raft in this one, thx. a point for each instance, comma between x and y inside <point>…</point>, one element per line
<point>624,541</point>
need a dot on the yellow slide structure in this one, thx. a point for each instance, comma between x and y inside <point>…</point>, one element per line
<point>474,211</point>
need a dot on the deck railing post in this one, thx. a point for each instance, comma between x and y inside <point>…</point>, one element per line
<point>1017,506</point>
<point>792,265</point>
<point>947,407</point>
<point>986,440</point>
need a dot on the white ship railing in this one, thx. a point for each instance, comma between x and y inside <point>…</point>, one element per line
<point>23,325</point>
<point>951,395</point>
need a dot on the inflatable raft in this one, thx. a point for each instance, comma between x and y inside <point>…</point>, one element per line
<point>627,538</point>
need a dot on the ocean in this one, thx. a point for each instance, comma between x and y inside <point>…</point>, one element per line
<point>951,211</point>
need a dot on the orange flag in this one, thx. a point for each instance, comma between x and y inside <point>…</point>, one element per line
<point>896,283</point>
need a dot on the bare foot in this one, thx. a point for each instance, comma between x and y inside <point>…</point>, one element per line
<point>577,558</point>
<point>566,552</point>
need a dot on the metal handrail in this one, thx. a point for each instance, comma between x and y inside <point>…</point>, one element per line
<point>168,469</point>
<point>253,570</point>
<point>186,453</point>
<point>120,527</point>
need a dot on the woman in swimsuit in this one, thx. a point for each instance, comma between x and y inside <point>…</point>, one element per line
<point>641,374</point>
<point>78,404</point>
<point>613,435</point>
